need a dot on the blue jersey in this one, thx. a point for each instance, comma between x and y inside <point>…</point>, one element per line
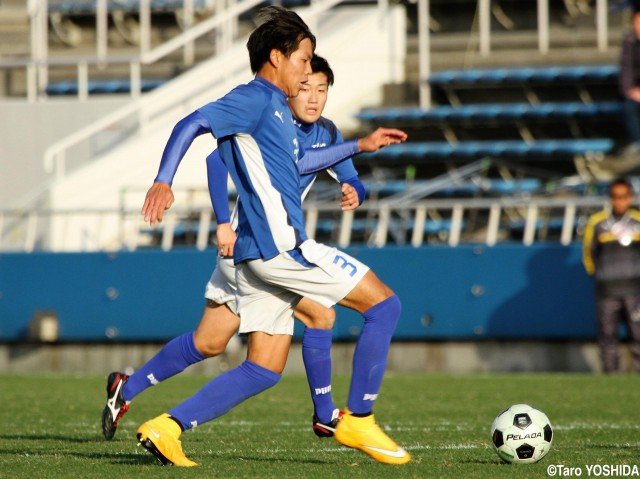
<point>320,134</point>
<point>259,145</point>
<point>317,135</point>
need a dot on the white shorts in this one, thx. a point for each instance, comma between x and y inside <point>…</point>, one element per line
<point>221,287</point>
<point>268,291</point>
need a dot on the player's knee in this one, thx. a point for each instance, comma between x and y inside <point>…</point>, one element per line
<point>210,347</point>
<point>385,314</point>
<point>324,319</point>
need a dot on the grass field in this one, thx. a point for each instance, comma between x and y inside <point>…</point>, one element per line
<point>50,428</point>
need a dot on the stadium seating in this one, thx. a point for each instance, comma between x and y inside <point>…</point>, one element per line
<point>586,83</point>
<point>70,87</point>
<point>468,150</point>
<point>132,6</point>
<point>462,189</point>
<point>578,74</point>
<point>491,112</point>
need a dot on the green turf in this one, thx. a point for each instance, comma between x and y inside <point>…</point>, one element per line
<point>50,428</point>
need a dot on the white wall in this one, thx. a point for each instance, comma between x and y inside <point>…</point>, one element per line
<point>26,129</point>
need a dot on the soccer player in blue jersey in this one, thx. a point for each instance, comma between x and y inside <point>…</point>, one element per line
<point>219,321</point>
<point>276,264</point>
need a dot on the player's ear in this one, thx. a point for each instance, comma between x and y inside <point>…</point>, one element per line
<point>274,57</point>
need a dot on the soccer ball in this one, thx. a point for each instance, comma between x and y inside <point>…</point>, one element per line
<point>521,434</point>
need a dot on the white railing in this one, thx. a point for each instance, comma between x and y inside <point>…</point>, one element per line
<point>37,66</point>
<point>375,223</point>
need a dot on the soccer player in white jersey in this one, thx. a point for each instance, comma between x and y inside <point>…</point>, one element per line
<point>276,264</point>
<point>219,321</point>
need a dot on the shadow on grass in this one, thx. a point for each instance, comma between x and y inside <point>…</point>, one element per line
<point>51,437</point>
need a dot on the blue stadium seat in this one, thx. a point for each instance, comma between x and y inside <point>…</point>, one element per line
<point>523,75</point>
<point>70,87</point>
<point>488,186</point>
<point>496,149</point>
<point>85,7</point>
<point>492,111</point>
<point>361,226</point>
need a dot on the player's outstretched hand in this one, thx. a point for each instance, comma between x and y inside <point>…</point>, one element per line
<point>159,198</point>
<point>226,238</point>
<point>380,138</point>
<point>349,200</point>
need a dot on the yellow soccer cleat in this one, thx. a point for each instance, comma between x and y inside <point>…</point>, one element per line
<point>160,436</point>
<point>363,433</point>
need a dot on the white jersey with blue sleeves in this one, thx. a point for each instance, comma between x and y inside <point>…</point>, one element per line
<point>258,143</point>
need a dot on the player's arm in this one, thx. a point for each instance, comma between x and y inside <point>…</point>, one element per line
<point>353,193</point>
<point>589,247</point>
<point>217,175</point>
<point>318,159</point>
<point>160,197</point>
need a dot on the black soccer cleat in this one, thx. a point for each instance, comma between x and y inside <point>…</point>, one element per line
<point>116,406</point>
<point>323,430</point>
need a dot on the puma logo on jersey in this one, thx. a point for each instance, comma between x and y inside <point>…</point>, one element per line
<point>296,148</point>
<point>318,145</point>
<point>279,115</point>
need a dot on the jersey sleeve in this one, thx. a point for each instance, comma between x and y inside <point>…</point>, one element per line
<point>183,134</point>
<point>217,176</point>
<point>318,159</point>
<point>235,112</point>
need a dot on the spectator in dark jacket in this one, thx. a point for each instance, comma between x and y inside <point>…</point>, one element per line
<point>611,254</point>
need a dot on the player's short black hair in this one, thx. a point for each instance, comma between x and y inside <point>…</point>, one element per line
<point>321,65</point>
<point>278,28</point>
<point>621,182</point>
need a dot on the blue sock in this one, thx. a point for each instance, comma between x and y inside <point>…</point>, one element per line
<point>174,357</point>
<point>316,354</point>
<point>370,356</point>
<point>223,393</point>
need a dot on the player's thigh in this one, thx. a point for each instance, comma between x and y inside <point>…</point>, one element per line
<point>268,350</point>
<point>262,306</point>
<point>314,315</point>
<point>221,286</point>
<point>367,293</point>
<point>217,325</point>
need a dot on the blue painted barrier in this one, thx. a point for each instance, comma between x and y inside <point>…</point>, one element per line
<point>468,292</point>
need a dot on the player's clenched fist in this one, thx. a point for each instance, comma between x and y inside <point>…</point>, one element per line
<point>349,200</point>
<point>159,198</point>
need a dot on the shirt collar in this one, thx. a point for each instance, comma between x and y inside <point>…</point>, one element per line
<point>271,86</point>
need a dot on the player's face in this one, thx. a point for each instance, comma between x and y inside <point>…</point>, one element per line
<point>621,199</point>
<point>309,104</point>
<point>636,24</point>
<point>294,71</point>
